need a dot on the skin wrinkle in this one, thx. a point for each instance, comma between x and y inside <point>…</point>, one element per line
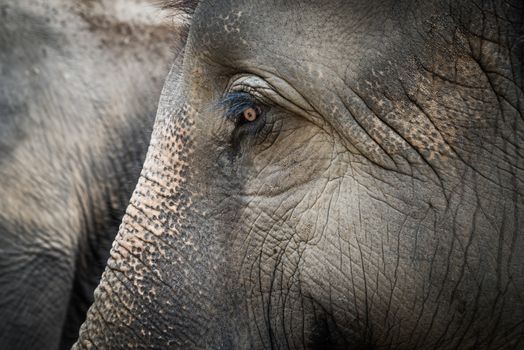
<point>455,152</point>
<point>161,319</point>
<point>402,137</point>
<point>278,261</point>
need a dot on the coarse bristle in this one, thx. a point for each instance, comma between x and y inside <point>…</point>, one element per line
<point>185,6</point>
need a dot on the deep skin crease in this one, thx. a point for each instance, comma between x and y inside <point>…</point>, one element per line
<point>379,205</point>
<point>79,86</point>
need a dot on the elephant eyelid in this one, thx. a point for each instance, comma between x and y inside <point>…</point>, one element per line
<point>253,86</point>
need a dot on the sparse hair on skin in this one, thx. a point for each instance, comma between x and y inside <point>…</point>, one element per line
<point>180,12</point>
<point>186,7</point>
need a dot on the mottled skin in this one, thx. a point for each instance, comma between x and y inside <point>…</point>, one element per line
<point>377,201</point>
<point>79,86</point>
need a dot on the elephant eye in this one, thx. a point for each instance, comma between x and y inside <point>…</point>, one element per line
<point>248,114</point>
<point>242,108</point>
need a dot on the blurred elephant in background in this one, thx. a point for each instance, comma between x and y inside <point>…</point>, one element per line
<point>79,84</point>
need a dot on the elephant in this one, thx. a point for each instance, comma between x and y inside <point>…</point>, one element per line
<point>79,87</point>
<point>342,174</point>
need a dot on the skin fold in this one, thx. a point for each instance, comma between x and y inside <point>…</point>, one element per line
<point>79,83</point>
<point>376,202</point>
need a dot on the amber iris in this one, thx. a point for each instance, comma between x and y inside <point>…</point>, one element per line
<point>250,114</point>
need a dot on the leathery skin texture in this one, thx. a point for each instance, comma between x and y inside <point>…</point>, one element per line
<point>375,202</point>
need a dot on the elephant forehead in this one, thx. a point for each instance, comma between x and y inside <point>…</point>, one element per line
<point>335,34</point>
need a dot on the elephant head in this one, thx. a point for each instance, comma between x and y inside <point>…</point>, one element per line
<point>335,174</point>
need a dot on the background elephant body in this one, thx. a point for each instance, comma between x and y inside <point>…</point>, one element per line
<point>79,85</point>
<point>329,174</point>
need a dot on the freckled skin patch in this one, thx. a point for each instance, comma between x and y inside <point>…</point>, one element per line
<point>377,206</point>
<point>142,255</point>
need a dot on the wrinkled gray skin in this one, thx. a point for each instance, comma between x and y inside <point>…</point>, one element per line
<point>79,86</point>
<point>376,202</point>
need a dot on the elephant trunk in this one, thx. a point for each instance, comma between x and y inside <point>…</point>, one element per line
<point>157,288</point>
